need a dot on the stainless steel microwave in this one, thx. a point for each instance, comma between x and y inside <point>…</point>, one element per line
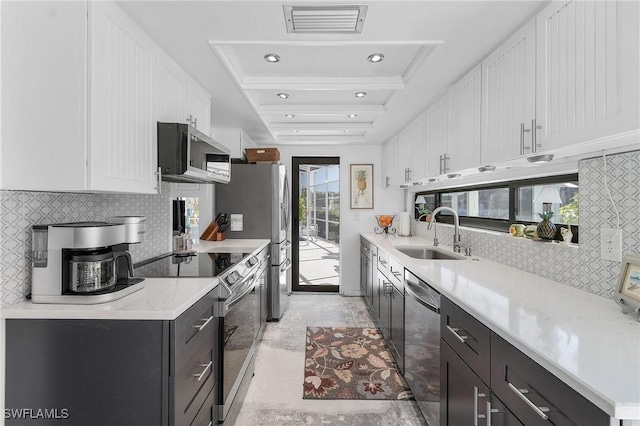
<point>187,155</point>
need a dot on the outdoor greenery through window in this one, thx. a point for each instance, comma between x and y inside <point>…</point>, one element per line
<point>319,205</point>
<point>497,206</point>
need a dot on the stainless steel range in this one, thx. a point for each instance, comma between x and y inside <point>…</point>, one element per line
<point>240,322</point>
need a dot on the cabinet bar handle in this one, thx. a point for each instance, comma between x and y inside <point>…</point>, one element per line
<point>202,326</point>
<point>388,289</point>
<point>383,262</point>
<point>534,139</point>
<point>210,424</point>
<point>476,415</point>
<point>520,392</point>
<point>523,148</point>
<point>441,172</point>
<point>206,368</point>
<point>462,338</point>
<point>159,177</point>
<point>445,169</point>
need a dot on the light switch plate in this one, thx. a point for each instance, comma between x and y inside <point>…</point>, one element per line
<point>611,244</point>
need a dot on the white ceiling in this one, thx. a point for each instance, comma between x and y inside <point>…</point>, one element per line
<point>427,46</point>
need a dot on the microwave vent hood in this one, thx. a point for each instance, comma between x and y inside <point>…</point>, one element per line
<point>187,155</point>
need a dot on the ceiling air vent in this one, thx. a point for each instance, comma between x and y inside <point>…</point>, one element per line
<point>343,19</point>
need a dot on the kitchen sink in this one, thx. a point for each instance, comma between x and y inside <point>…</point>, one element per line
<point>428,252</point>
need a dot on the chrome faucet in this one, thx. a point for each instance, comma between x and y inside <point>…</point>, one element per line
<point>435,235</point>
<point>456,224</point>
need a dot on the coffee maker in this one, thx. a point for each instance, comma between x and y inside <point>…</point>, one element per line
<point>82,263</point>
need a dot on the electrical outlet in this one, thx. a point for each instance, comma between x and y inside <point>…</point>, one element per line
<point>611,244</point>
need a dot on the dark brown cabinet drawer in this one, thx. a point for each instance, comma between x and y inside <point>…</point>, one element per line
<point>208,414</point>
<point>533,393</point>
<point>192,384</point>
<point>469,338</point>
<point>194,329</point>
<point>383,263</point>
<point>396,274</point>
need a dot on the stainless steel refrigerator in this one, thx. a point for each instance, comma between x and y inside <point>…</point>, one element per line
<point>260,193</point>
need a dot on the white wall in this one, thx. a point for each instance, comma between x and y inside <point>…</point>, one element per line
<point>385,202</point>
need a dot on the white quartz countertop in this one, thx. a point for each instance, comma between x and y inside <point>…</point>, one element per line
<point>159,299</point>
<point>583,339</point>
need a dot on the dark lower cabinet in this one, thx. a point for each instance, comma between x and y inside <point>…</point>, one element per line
<point>384,317</point>
<point>397,326</point>
<point>535,395</point>
<point>487,381</point>
<point>368,279</point>
<point>114,372</point>
<point>465,399</point>
<point>463,396</point>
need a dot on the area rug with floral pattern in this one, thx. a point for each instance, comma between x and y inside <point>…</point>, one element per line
<point>350,363</point>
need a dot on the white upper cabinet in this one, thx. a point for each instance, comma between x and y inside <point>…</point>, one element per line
<point>123,87</point>
<point>508,97</point>
<point>390,164</point>
<point>237,140</point>
<point>173,92</point>
<point>412,152</point>
<point>437,116</point>
<point>92,91</point>
<point>587,71</point>
<point>464,121</point>
<point>181,99</point>
<point>404,156</point>
<point>418,148</point>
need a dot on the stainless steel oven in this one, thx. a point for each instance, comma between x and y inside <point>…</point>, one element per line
<point>240,314</point>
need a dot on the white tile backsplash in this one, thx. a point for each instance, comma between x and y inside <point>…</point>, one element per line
<point>20,210</point>
<point>580,265</point>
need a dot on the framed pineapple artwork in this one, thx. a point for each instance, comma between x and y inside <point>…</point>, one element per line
<point>361,186</point>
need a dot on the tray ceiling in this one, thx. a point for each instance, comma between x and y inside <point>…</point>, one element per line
<point>309,95</point>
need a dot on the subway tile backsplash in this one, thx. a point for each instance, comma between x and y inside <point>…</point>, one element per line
<point>20,210</point>
<point>580,265</point>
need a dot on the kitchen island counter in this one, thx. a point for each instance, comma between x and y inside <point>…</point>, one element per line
<point>159,299</point>
<point>583,339</point>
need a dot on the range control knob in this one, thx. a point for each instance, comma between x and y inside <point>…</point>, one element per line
<point>232,278</point>
<point>252,261</point>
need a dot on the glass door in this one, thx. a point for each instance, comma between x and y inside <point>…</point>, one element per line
<point>316,223</point>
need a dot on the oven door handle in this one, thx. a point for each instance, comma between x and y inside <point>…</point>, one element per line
<point>243,292</point>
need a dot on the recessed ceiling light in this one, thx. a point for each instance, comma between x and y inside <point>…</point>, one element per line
<point>271,57</point>
<point>360,94</point>
<point>375,57</point>
<point>283,95</point>
<point>352,115</point>
<point>545,158</point>
<point>289,115</point>
<point>487,168</point>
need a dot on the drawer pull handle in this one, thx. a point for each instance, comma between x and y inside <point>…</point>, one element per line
<point>462,338</point>
<point>203,325</point>
<point>206,368</point>
<point>397,274</point>
<point>383,262</point>
<point>520,392</point>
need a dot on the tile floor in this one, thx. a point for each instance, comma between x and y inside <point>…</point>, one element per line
<point>275,394</point>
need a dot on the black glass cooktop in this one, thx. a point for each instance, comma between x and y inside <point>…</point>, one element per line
<point>187,265</point>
